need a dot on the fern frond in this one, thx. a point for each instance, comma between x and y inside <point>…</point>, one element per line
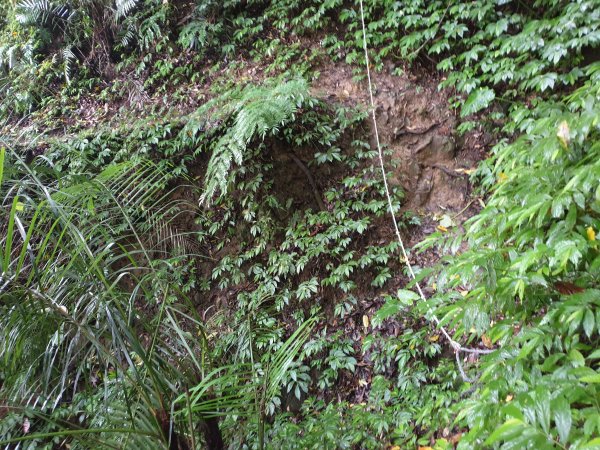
<point>194,35</point>
<point>259,111</point>
<point>33,11</point>
<point>41,12</point>
<point>69,60</point>
<point>124,7</point>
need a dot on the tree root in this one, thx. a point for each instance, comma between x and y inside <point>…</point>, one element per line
<point>311,180</point>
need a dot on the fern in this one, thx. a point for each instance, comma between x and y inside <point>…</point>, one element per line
<point>124,8</point>
<point>69,60</point>
<point>42,12</point>
<point>258,112</point>
<point>194,35</point>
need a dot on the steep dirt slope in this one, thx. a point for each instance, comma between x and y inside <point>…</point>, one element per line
<point>416,124</point>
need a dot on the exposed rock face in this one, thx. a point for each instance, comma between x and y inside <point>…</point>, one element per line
<point>417,126</point>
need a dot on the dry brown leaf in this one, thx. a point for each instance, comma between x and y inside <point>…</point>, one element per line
<point>486,341</point>
<point>366,321</point>
<point>566,288</point>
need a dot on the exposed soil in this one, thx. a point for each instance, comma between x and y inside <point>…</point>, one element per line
<point>416,124</point>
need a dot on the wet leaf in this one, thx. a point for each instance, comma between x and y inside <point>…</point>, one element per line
<point>562,418</point>
<point>478,100</point>
<point>407,297</point>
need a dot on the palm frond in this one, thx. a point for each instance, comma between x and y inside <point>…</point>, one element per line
<point>68,290</point>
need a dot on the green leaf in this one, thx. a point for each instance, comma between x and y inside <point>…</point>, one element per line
<point>513,411</point>
<point>577,358</point>
<point>546,81</point>
<point>562,418</point>
<point>510,428</point>
<point>542,412</point>
<point>9,234</point>
<point>2,156</point>
<point>478,100</point>
<point>594,379</point>
<point>389,309</point>
<point>588,323</point>
<point>407,297</point>
<point>594,444</point>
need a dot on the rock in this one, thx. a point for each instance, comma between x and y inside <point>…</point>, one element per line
<point>440,149</point>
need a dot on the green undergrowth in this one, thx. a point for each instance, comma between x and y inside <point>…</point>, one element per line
<point>203,246</point>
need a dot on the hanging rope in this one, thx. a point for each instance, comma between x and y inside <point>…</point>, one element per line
<point>456,346</point>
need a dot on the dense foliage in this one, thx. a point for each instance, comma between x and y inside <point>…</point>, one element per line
<point>195,240</point>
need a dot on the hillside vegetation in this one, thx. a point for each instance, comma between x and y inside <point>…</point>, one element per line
<point>197,249</point>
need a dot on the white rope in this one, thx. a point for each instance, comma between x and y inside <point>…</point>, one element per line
<point>433,318</point>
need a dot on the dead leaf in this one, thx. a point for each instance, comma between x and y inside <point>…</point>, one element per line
<point>456,438</point>
<point>486,341</point>
<point>434,338</point>
<point>566,288</point>
<point>446,221</point>
<point>563,134</point>
<point>366,321</point>
<point>26,425</point>
<point>442,228</point>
